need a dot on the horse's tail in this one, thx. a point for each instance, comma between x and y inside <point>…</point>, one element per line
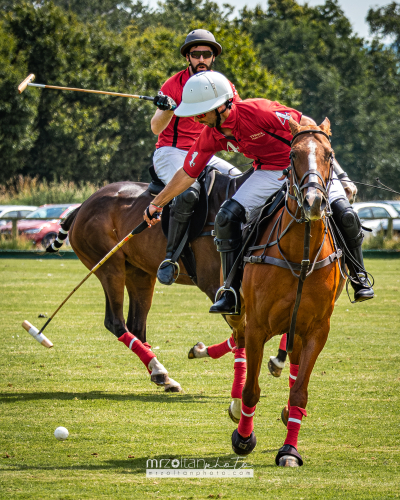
<point>63,233</point>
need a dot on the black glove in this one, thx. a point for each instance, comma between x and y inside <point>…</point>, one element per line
<point>164,103</point>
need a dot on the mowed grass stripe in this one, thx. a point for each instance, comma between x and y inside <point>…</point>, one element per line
<point>91,384</point>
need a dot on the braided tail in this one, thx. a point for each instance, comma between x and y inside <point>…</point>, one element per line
<point>63,233</point>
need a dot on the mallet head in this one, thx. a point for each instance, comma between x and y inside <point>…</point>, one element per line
<point>22,86</point>
<point>42,339</point>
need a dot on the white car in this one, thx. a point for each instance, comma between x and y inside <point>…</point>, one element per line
<point>7,211</point>
<point>375,215</point>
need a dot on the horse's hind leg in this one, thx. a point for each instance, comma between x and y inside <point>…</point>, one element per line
<point>140,287</point>
<point>277,363</point>
<point>293,372</point>
<point>112,277</point>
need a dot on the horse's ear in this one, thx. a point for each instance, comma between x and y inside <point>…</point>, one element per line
<point>326,126</point>
<point>294,126</point>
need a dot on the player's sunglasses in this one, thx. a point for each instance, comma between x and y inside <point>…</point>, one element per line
<point>201,116</point>
<point>196,54</point>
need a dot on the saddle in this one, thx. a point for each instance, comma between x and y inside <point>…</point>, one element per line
<point>198,219</point>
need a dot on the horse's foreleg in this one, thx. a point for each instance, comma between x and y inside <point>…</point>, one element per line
<point>288,456</point>
<point>140,287</point>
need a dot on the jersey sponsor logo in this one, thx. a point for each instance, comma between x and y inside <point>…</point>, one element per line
<point>231,148</point>
<point>191,163</point>
<point>256,136</point>
<point>282,117</point>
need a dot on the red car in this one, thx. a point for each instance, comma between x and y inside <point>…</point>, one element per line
<point>41,232</point>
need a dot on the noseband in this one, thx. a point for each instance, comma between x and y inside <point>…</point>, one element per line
<point>299,186</point>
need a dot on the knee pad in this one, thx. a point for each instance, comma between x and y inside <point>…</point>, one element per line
<point>228,226</point>
<point>348,222</point>
<point>183,205</point>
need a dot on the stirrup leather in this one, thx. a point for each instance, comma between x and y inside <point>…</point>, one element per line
<point>175,264</point>
<point>221,290</point>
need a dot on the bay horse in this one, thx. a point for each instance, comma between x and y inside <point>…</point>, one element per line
<point>106,218</point>
<point>269,286</point>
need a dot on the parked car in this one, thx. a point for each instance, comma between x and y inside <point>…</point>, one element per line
<point>394,203</point>
<point>7,211</point>
<point>41,232</point>
<point>375,215</point>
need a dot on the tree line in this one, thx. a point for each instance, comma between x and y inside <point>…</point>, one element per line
<point>305,57</point>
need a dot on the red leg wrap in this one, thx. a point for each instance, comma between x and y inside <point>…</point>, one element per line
<point>246,424</point>
<point>294,422</point>
<point>141,350</point>
<point>294,370</point>
<point>240,373</point>
<point>218,350</point>
<point>282,345</point>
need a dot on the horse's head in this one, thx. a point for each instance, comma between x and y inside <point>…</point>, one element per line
<point>311,159</point>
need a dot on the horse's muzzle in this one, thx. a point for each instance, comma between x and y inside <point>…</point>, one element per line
<point>314,204</point>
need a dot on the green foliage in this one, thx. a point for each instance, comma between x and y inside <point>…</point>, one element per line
<point>381,242</point>
<point>340,76</point>
<point>385,22</point>
<point>17,132</point>
<point>28,191</point>
<point>306,57</point>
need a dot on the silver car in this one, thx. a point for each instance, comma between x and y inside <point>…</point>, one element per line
<point>375,215</point>
<point>7,211</point>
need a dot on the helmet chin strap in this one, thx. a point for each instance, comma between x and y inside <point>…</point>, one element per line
<point>228,105</point>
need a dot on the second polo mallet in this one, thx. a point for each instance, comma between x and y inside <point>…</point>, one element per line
<point>28,83</point>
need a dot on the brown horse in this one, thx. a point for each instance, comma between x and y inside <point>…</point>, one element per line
<point>105,219</point>
<point>269,291</point>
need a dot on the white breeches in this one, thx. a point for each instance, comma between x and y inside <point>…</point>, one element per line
<point>260,185</point>
<point>168,160</point>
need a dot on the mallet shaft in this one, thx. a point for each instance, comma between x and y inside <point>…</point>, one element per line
<point>117,94</point>
<point>141,227</point>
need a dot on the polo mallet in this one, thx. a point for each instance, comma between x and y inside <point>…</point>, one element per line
<point>27,83</point>
<point>37,334</point>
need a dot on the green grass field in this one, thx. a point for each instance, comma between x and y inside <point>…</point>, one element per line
<point>117,419</point>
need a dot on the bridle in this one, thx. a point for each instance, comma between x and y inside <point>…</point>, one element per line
<point>300,186</point>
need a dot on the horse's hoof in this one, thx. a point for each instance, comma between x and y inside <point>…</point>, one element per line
<point>172,386</point>
<point>241,445</point>
<point>235,409</point>
<point>198,351</point>
<point>288,456</point>
<point>275,366</point>
<point>160,378</point>
<point>285,415</point>
<point>288,461</point>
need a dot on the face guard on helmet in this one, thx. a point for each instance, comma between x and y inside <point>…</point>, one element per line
<point>204,92</point>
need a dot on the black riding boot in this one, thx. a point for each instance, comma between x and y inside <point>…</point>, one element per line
<point>228,232</point>
<point>349,225</point>
<point>182,209</point>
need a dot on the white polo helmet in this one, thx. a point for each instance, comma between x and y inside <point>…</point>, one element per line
<point>204,92</point>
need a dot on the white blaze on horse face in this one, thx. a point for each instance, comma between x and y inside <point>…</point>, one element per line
<point>313,166</point>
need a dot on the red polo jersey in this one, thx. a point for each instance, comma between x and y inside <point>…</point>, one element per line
<point>260,130</point>
<point>181,132</point>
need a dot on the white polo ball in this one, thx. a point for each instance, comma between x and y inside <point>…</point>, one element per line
<point>61,433</point>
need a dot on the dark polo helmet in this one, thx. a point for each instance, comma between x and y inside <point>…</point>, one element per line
<point>200,37</point>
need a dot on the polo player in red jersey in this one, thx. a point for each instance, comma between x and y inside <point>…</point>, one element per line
<point>259,129</point>
<point>176,135</point>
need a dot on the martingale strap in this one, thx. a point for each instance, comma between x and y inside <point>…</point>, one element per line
<point>266,259</point>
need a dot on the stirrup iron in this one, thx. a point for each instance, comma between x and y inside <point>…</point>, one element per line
<point>221,290</point>
<point>175,264</point>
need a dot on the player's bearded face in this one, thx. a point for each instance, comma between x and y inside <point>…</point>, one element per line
<point>198,64</point>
